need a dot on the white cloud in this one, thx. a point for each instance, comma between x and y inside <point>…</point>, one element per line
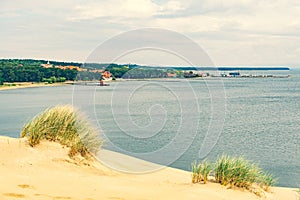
<point>124,9</point>
<point>244,31</point>
<point>244,16</point>
<point>194,24</point>
<point>114,8</point>
<point>171,7</point>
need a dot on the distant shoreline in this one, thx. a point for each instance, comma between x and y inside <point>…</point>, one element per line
<point>21,85</point>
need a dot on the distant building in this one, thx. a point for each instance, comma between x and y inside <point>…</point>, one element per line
<point>171,75</point>
<point>71,68</point>
<point>203,74</point>
<point>48,65</point>
<point>106,74</point>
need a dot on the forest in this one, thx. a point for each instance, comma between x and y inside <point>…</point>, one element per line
<point>29,70</point>
<point>15,70</point>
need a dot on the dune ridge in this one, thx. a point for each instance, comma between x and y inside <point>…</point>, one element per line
<point>47,172</point>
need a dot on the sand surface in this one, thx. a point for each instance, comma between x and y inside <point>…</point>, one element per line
<point>46,172</point>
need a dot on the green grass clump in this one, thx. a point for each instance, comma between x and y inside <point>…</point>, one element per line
<point>236,172</point>
<point>233,172</point>
<point>63,124</point>
<point>266,180</point>
<point>201,171</point>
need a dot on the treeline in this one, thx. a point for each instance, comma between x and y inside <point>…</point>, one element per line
<point>34,74</point>
<point>88,76</point>
<point>128,71</point>
<point>29,70</point>
<point>31,62</point>
<point>14,70</point>
<point>144,73</point>
<point>108,66</point>
<point>135,71</point>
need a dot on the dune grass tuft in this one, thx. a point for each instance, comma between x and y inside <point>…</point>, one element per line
<point>201,171</point>
<point>233,172</point>
<point>66,125</point>
<point>266,180</point>
<point>236,172</point>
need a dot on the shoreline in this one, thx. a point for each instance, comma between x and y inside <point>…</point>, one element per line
<point>46,172</point>
<point>21,85</point>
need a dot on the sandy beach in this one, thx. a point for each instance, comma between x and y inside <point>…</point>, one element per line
<point>46,172</point>
<point>20,85</point>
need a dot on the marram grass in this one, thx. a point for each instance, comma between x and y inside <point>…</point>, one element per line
<point>66,125</point>
<point>266,180</point>
<point>236,171</point>
<point>233,172</point>
<point>201,171</point>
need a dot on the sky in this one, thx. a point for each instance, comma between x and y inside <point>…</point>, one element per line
<point>231,32</point>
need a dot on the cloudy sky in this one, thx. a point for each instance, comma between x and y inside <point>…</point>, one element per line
<point>231,32</point>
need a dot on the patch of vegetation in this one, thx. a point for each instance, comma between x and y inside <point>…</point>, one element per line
<point>236,172</point>
<point>8,85</point>
<point>1,79</point>
<point>201,171</point>
<point>17,70</point>
<point>53,79</point>
<point>233,172</point>
<point>266,180</point>
<point>66,125</point>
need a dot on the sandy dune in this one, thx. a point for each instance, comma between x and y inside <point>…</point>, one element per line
<point>46,172</point>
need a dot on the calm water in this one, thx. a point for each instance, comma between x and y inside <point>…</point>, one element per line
<point>261,118</point>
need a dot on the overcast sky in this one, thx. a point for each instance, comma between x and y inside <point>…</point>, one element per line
<point>232,32</point>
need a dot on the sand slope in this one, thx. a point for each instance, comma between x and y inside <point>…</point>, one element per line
<point>46,172</point>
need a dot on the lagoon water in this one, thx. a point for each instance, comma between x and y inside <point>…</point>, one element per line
<point>176,118</point>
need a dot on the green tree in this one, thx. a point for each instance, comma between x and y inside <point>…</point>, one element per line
<point>1,79</point>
